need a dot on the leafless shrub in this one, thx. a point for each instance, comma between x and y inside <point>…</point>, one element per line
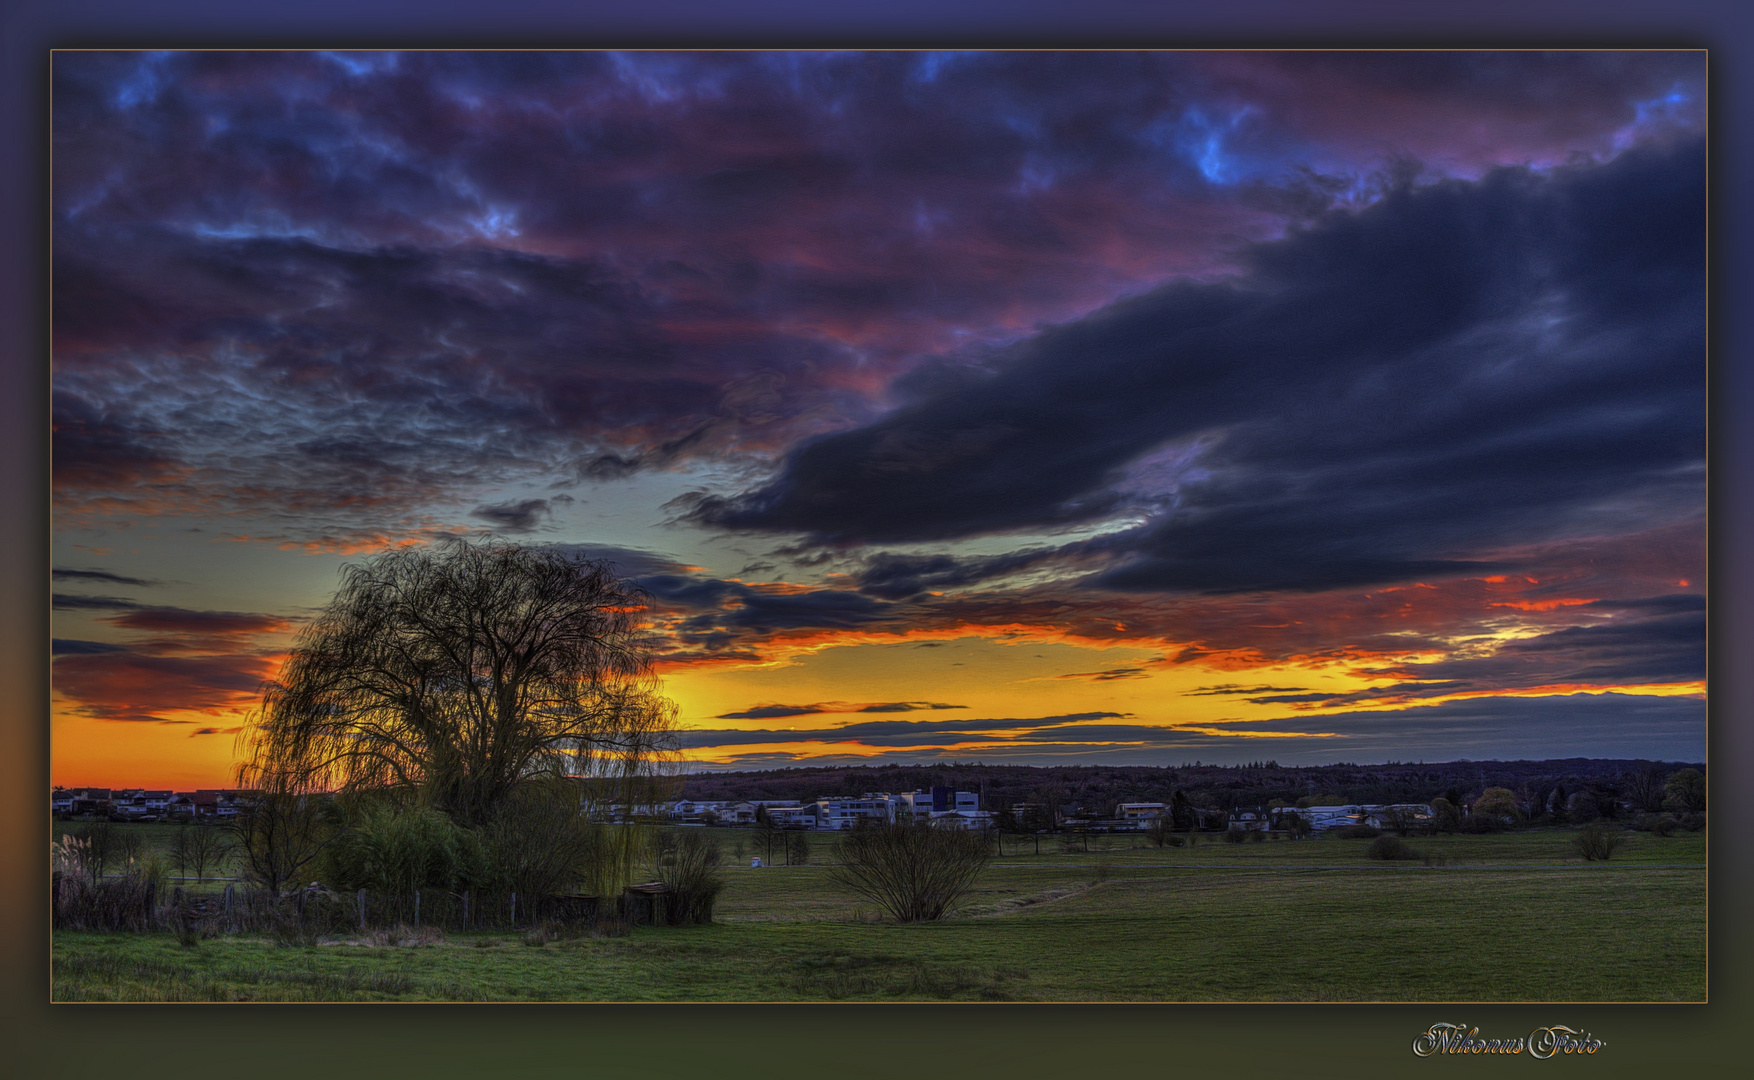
<point>1598,841</point>
<point>913,871</point>
<point>688,867</point>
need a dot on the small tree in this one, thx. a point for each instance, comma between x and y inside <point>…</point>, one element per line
<point>1581,808</point>
<point>913,871</point>
<point>1445,818</point>
<point>1499,803</point>
<point>198,848</point>
<point>1162,827</point>
<point>767,837</point>
<point>1645,789</point>
<point>798,849</point>
<point>98,840</point>
<point>278,835</point>
<point>1398,821</point>
<point>128,846</point>
<point>1684,791</point>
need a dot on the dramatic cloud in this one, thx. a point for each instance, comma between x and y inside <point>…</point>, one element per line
<point>338,291</point>
<point>137,687</point>
<point>1111,675</point>
<point>1580,725</point>
<point>777,712</point>
<point>74,647</point>
<point>894,732</point>
<point>519,517</point>
<point>74,602</point>
<point>1390,394</point>
<point>168,620</point>
<point>192,661</point>
<point>63,574</point>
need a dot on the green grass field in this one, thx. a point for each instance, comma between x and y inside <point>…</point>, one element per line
<point>1513,917</point>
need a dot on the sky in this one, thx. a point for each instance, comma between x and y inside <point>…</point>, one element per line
<point>1018,407</point>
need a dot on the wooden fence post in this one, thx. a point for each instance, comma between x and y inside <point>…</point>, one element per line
<point>465,911</point>
<point>416,907</point>
<point>514,911</point>
<point>361,899</point>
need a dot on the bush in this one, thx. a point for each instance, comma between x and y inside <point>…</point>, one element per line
<point>402,935</point>
<point>1358,832</point>
<point>1664,825</point>
<point>84,901</point>
<point>1684,791</point>
<point>1235,836</point>
<point>289,930</point>
<point>1445,818</point>
<point>1598,841</point>
<point>387,850</point>
<point>537,844</point>
<point>689,869</point>
<point>914,872</point>
<point>1257,835</point>
<point>1390,848</point>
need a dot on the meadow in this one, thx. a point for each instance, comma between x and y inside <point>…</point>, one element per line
<point>1508,917</point>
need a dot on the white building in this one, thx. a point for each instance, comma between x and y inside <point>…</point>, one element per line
<point>835,815</point>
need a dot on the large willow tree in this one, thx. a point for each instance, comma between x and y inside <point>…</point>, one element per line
<point>462,671</point>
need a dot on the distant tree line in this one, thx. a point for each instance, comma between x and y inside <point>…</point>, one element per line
<point>1096,790</point>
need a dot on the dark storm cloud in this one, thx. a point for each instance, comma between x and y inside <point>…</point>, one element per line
<point>74,602</point>
<point>1110,675</point>
<point>517,517</point>
<point>74,647</point>
<point>898,577</point>
<point>132,686</point>
<point>63,574</point>
<point>1663,648</point>
<point>341,289</point>
<point>1583,725</point>
<point>771,712</point>
<point>101,447</point>
<point>723,611</point>
<point>1240,690</point>
<point>169,620</point>
<point>1386,395</point>
<point>629,562</point>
